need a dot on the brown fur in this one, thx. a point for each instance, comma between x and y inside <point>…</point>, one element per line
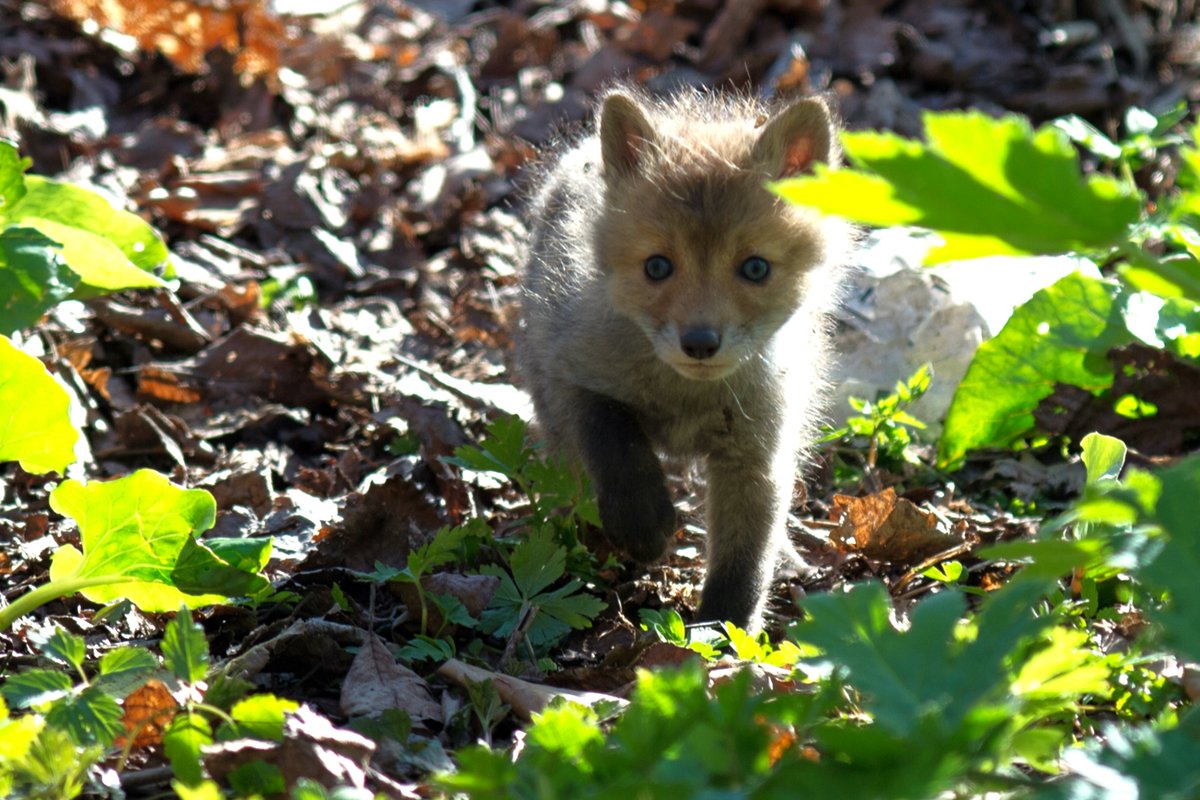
<point>601,347</point>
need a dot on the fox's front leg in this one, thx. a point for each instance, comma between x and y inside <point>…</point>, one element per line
<point>635,506</point>
<point>748,501</point>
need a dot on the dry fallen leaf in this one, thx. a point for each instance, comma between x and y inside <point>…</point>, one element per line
<point>887,528</point>
<point>376,683</point>
<point>525,698</point>
<point>147,711</point>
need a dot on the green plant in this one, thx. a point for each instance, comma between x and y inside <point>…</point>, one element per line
<point>558,496</point>
<point>74,718</point>
<point>447,545</point>
<point>138,535</point>
<point>884,424</point>
<point>59,241</point>
<point>524,605</point>
<point>997,187</point>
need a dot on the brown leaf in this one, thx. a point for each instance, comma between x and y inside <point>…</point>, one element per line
<point>376,683</point>
<point>311,748</point>
<point>887,528</point>
<point>147,712</point>
<point>184,31</point>
<point>525,698</point>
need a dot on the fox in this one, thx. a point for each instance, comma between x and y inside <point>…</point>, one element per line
<point>672,304</point>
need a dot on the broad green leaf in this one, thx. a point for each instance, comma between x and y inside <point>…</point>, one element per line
<point>205,790</point>
<point>986,186</point>
<point>1104,456</point>
<point>85,210</point>
<point>259,716</point>
<point>33,277</point>
<point>134,531</point>
<point>16,736</point>
<point>12,170</point>
<point>182,740</point>
<point>226,567</point>
<point>35,428</point>
<point>1176,567</point>
<point>184,648</point>
<point>65,648</point>
<point>257,779</point>
<point>34,687</point>
<point>90,717</point>
<point>1061,335</point>
<point>99,263</point>
<point>124,670</point>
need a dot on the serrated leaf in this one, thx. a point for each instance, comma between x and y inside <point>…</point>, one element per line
<point>134,531</point>
<point>537,562</point>
<point>33,277</point>
<point>564,605</point>
<point>125,669</point>
<point>183,739</point>
<point>90,717</point>
<point>184,648</point>
<point>503,450</point>
<point>35,427</point>
<point>986,186</point>
<point>35,687</point>
<point>64,647</point>
<point>1061,335</point>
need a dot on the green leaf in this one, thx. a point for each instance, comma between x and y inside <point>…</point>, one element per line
<point>125,669</point>
<point>986,186</point>
<point>226,567</point>
<point>259,716</point>
<point>65,648</point>
<point>33,277</point>
<point>1104,456</point>
<point>35,427</point>
<point>1176,567</point>
<point>35,687</point>
<point>99,263</point>
<point>503,450</point>
<point>12,169</point>
<point>90,717</point>
<point>184,648</point>
<point>182,742</point>
<point>134,531</point>
<point>90,217</point>
<point>537,562</point>
<point>257,779</point>
<point>1061,335</point>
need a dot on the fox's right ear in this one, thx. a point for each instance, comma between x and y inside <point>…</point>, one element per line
<point>796,138</point>
<point>624,134</point>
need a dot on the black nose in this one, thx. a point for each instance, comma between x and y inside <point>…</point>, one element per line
<point>700,342</point>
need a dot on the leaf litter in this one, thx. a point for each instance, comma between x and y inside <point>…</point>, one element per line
<point>340,188</point>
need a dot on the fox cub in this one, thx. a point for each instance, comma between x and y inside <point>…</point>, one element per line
<point>673,304</point>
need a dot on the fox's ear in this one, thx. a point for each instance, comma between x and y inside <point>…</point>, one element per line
<point>624,134</point>
<point>795,139</point>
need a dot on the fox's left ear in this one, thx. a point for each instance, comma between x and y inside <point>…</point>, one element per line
<point>795,139</point>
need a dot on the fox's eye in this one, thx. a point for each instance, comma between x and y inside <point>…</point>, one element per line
<point>659,268</point>
<point>755,269</point>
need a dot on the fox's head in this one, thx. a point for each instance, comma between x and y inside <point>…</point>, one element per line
<point>696,250</point>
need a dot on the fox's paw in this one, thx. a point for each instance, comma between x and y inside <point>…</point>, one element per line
<point>638,520</point>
